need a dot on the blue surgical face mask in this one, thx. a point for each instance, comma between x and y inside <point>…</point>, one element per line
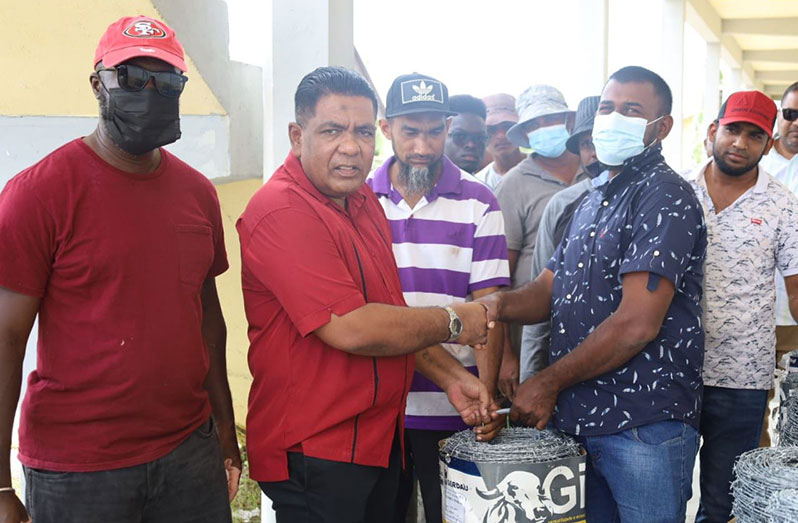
<point>549,141</point>
<point>618,138</point>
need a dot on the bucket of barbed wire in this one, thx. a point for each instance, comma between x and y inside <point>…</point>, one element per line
<point>523,475</point>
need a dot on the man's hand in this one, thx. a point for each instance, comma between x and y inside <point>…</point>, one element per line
<point>534,401</point>
<point>232,458</point>
<point>470,398</point>
<point>508,374</point>
<point>492,302</point>
<point>233,478</point>
<point>12,510</point>
<point>475,325</point>
<point>491,429</point>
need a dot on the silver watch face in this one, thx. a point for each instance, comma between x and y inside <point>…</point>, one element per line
<point>456,326</point>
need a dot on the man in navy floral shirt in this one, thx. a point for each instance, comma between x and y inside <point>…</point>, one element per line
<point>623,292</point>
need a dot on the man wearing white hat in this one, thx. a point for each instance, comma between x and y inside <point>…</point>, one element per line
<point>544,119</point>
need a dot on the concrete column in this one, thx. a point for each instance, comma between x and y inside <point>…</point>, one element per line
<point>736,80</point>
<point>712,82</point>
<point>593,20</point>
<point>325,30</point>
<point>672,54</point>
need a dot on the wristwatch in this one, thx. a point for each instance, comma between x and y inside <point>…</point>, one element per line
<point>455,324</point>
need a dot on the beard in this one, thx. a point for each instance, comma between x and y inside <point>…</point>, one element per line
<point>727,169</point>
<point>418,180</point>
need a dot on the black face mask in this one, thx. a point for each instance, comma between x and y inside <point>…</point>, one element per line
<point>141,121</point>
<point>594,169</point>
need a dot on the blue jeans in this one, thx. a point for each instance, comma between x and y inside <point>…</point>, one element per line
<point>188,485</point>
<point>731,423</point>
<point>640,474</point>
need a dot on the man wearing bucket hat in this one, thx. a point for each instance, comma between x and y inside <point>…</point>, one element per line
<point>623,291</point>
<point>751,228</point>
<point>438,212</point>
<point>115,243</point>
<point>544,119</point>
<point>556,216</point>
<point>501,115</point>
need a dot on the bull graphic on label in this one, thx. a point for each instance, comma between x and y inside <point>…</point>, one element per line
<point>515,504</point>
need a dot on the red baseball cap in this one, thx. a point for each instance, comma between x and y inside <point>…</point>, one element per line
<point>134,36</point>
<point>749,106</point>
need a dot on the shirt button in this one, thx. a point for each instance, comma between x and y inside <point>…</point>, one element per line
<point>605,203</point>
<point>592,233</point>
<point>656,253</point>
<point>580,265</point>
<point>562,331</point>
<point>567,296</point>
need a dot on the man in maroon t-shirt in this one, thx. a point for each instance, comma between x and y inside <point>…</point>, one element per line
<point>115,244</point>
<point>332,341</point>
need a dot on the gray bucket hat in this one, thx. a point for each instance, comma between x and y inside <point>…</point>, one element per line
<point>585,116</point>
<point>535,101</point>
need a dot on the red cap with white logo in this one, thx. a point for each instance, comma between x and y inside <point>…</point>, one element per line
<point>134,36</point>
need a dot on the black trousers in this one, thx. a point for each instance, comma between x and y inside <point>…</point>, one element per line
<point>188,484</point>
<point>324,491</point>
<point>421,456</point>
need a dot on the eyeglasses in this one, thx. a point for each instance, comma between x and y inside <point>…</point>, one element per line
<point>134,78</point>
<point>461,138</point>
<point>790,114</point>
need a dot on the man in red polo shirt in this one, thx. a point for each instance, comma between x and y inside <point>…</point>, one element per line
<point>331,337</point>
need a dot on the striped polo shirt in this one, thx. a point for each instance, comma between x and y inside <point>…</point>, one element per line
<point>450,244</point>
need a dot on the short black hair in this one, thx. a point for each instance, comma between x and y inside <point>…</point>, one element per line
<point>329,80</point>
<point>465,103</point>
<point>635,73</point>
<point>792,88</point>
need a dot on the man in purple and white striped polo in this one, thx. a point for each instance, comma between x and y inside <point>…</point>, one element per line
<point>449,244</point>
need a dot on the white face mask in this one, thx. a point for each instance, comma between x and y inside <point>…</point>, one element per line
<point>618,138</point>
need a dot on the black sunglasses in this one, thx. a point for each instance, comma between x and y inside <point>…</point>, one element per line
<point>790,114</point>
<point>461,138</point>
<point>134,78</point>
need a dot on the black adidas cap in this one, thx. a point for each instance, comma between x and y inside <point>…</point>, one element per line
<point>417,93</point>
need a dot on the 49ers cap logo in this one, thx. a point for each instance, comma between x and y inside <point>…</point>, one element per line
<point>144,29</point>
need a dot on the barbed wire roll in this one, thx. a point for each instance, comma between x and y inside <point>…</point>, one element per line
<point>759,474</point>
<point>513,445</point>
<point>788,406</point>
<point>788,436</point>
<point>783,506</point>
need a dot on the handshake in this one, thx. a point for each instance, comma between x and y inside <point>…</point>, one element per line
<point>477,319</point>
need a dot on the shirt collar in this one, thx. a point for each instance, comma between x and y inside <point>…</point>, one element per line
<point>448,181</point>
<point>293,166</point>
<point>698,175</point>
<point>635,167</point>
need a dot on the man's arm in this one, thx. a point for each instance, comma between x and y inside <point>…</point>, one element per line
<point>512,260</point>
<point>465,391</point>
<point>17,313</point>
<point>377,329</point>
<point>489,358</point>
<point>635,323</point>
<point>791,283</point>
<point>214,332</point>
<point>509,372</point>
<point>526,305</point>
